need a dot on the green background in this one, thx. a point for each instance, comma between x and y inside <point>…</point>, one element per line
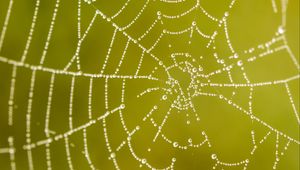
<point>249,24</point>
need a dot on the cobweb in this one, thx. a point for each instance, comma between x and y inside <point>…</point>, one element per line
<point>150,76</point>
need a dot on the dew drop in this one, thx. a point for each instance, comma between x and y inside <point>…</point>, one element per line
<point>164,97</point>
<point>122,106</point>
<point>240,63</point>
<point>280,30</point>
<point>113,155</point>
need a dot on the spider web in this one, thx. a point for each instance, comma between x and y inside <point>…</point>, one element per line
<point>140,87</point>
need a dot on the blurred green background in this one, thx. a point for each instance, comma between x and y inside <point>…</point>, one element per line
<point>249,24</point>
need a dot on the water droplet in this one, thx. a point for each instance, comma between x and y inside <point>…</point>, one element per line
<point>10,102</point>
<point>280,30</point>
<point>240,63</point>
<point>235,55</point>
<point>164,97</point>
<point>214,156</point>
<point>122,106</point>
<point>113,155</point>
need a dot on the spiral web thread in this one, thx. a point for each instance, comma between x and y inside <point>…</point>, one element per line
<point>182,102</point>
